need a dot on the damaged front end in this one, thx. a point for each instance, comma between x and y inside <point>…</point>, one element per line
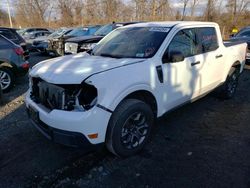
<point>73,97</point>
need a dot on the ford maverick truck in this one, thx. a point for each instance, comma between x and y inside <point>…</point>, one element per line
<point>113,93</point>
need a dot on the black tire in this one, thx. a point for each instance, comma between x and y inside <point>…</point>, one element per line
<point>128,119</point>
<point>6,73</point>
<point>230,86</point>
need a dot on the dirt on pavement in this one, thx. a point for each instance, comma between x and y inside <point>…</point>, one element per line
<point>203,144</point>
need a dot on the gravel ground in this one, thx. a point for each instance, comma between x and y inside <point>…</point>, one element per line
<point>203,144</point>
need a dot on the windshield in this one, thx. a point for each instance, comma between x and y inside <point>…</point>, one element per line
<point>136,42</point>
<point>79,32</point>
<point>56,33</point>
<point>104,30</point>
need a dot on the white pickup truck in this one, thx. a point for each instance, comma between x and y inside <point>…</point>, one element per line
<point>113,93</point>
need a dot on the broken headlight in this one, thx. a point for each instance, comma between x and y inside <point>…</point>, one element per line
<point>81,99</point>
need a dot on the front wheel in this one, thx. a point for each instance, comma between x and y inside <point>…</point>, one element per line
<point>129,128</point>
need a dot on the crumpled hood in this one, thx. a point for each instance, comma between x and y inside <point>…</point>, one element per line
<point>73,69</point>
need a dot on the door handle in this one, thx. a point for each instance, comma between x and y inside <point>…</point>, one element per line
<point>218,56</point>
<point>195,63</point>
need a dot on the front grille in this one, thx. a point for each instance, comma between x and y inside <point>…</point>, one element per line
<point>50,95</point>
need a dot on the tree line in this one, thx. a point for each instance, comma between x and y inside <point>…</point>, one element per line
<point>68,13</point>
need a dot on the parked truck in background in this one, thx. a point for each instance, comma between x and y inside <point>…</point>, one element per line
<point>85,43</point>
<point>135,74</point>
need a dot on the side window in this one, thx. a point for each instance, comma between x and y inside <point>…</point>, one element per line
<point>7,34</point>
<point>208,39</point>
<point>183,44</point>
<point>4,43</point>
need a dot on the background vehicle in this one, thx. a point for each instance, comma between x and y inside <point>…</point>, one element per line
<point>41,43</point>
<point>26,31</point>
<point>12,63</point>
<point>84,43</point>
<point>29,38</point>
<point>12,35</point>
<point>244,36</point>
<point>59,43</point>
<point>113,93</point>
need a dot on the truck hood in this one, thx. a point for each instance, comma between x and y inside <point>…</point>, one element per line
<point>73,69</point>
<point>85,39</point>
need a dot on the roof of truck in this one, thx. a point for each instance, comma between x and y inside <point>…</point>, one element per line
<point>171,24</point>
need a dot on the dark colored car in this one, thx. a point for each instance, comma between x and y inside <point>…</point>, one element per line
<point>57,45</point>
<point>12,63</point>
<point>244,36</point>
<point>12,35</point>
<point>41,44</point>
<point>84,43</point>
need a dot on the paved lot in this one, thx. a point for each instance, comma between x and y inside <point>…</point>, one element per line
<point>204,144</point>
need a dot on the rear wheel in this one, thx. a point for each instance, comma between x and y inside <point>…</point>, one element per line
<point>129,127</point>
<point>230,86</point>
<point>6,79</point>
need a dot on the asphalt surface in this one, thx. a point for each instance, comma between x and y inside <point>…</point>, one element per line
<point>203,144</point>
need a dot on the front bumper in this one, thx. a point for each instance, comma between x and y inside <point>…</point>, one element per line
<point>72,126</point>
<point>67,138</point>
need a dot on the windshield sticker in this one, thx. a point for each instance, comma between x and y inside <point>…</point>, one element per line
<point>139,55</point>
<point>160,29</point>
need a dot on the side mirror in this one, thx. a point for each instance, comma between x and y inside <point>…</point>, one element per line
<point>173,57</point>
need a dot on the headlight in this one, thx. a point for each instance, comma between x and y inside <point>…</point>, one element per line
<point>87,46</point>
<point>80,99</point>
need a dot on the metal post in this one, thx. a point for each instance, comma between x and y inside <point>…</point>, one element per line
<point>8,6</point>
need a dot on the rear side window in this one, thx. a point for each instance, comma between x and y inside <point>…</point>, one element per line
<point>184,42</point>
<point>8,34</point>
<point>208,39</point>
<point>4,43</point>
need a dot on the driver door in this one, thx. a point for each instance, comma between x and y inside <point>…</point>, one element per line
<point>182,64</point>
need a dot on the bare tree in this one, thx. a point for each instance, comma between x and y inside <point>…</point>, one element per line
<point>31,12</point>
<point>194,3</point>
<point>3,18</point>
<point>236,7</point>
<point>185,3</point>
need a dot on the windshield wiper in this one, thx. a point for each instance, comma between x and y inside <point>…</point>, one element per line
<point>109,55</point>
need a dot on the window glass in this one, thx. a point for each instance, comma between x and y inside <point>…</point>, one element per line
<point>4,43</point>
<point>7,34</point>
<point>78,32</point>
<point>184,42</point>
<point>137,42</point>
<point>104,30</point>
<point>244,34</point>
<point>208,39</point>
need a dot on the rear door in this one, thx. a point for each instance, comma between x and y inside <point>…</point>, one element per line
<point>212,56</point>
<point>182,78</point>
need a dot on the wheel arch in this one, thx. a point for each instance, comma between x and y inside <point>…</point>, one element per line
<point>236,65</point>
<point>5,63</point>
